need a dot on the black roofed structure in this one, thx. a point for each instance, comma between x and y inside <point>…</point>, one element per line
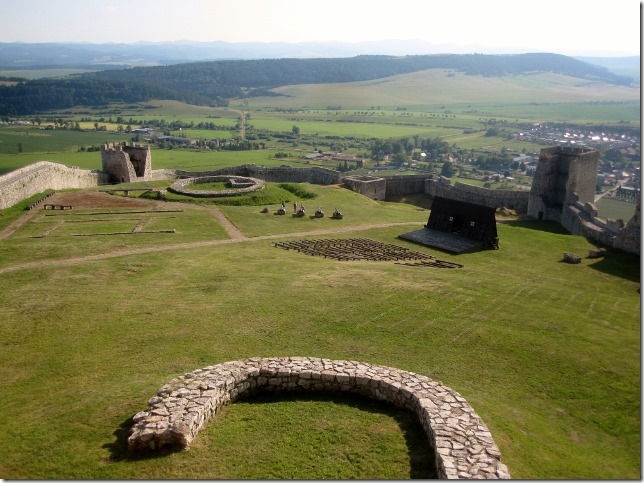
<point>457,227</point>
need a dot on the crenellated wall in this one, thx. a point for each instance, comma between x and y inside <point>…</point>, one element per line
<point>44,175</point>
<point>463,446</point>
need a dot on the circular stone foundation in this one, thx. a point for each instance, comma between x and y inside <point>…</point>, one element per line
<point>461,442</point>
<point>239,185</point>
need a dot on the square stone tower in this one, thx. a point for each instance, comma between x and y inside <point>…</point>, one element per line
<point>564,175</point>
<point>124,163</point>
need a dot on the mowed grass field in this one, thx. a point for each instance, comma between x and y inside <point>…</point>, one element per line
<point>547,353</point>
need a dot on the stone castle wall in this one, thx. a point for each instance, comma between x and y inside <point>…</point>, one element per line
<point>561,171</point>
<point>406,185</point>
<point>628,239</point>
<point>370,186</point>
<point>462,445</point>
<point>44,175</point>
<point>125,163</point>
<point>512,199</point>
<point>564,176</point>
<point>581,219</point>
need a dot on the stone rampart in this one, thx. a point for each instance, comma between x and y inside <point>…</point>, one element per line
<point>407,185</point>
<point>44,175</point>
<point>370,186</point>
<point>462,444</point>
<point>512,199</point>
<point>581,219</point>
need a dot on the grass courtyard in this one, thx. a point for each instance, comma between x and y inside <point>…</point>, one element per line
<point>547,353</point>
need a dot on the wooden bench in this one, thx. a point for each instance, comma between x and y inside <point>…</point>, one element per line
<point>51,206</point>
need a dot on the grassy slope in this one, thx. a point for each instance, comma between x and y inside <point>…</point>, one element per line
<point>546,352</point>
<point>512,96</point>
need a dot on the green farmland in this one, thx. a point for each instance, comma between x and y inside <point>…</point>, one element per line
<point>103,305</point>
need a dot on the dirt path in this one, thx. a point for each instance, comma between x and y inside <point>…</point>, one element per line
<point>99,200</point>
<point>8,231</point>
<point>187,246</point>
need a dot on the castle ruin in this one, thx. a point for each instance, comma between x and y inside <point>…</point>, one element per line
<point>564,176</point>
<point>563,187</point>
<point>124,163</point>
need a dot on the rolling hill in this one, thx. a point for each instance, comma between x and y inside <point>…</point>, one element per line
<point>213,83</point>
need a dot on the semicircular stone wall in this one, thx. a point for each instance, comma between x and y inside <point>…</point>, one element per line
<point>462,443</point>
<point>244,184</point>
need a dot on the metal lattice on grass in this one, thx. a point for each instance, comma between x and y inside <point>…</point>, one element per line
<point>356,249</point>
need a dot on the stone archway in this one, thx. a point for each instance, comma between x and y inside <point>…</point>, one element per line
<point>463,446</point>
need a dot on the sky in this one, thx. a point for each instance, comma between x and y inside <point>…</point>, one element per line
<point>569,27</point>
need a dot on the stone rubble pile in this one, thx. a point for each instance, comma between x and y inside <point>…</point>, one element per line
<point>462,443</point>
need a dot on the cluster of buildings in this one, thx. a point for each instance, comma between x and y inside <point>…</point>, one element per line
<point>627,144</point>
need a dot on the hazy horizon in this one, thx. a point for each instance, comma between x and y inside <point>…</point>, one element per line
<point>571,27</point>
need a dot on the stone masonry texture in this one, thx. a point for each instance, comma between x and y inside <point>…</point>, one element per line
<point>462,444</point>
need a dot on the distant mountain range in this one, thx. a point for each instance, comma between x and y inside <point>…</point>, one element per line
<point>19,55</point>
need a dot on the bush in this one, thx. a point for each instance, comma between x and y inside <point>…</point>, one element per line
<point>298,191</point>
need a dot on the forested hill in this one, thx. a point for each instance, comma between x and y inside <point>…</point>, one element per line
<point>211,83</point>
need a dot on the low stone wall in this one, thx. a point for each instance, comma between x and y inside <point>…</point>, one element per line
<point>463,445</point>
<point>181,186</point>
<point>281,174</point>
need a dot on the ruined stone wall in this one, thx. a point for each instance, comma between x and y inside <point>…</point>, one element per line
<point>41,176</point>
<point>628,239</point>
<point>513,199</point>
<point>582,176</point>
<point>581,219</point>
<point>370,186</point>
<point>406,185</point>
<point>564,175</point>
<point>126,163</point>
<point>463,446</point>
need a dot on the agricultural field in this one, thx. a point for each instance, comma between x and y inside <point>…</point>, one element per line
<point>106,302</point>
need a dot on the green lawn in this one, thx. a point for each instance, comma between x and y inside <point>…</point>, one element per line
<point>547,353</point>
<point>611,208</point>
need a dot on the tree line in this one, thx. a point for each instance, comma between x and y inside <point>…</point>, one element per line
<point>212,83</point>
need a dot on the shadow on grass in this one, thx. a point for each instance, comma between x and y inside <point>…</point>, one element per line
<point>619,264</point>
<point>421,457</point>
<point>119,451</point>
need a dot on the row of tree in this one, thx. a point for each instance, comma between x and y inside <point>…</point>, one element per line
<point>212,83</point>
